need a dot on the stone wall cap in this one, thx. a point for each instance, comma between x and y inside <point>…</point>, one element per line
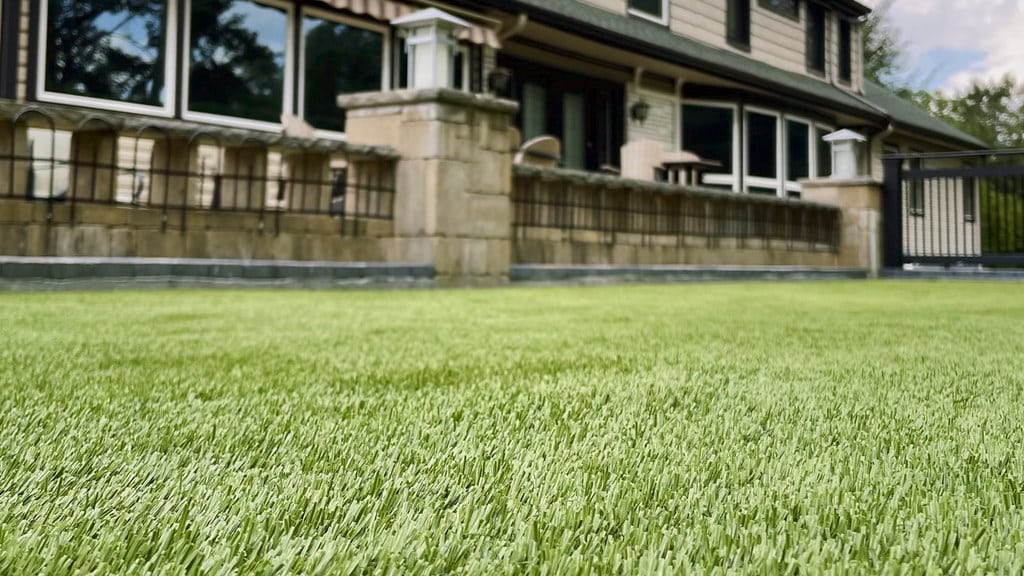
<point>840,182</point>
<point>364,100</point>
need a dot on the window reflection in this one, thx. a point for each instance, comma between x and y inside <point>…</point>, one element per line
<point>113,50</point>
<point>237,48</point>
<point>339,59</point>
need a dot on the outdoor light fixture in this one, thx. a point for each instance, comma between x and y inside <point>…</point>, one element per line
<point>499,81</point>
<point>639,111</point>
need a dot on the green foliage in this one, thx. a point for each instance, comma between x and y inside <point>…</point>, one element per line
<point>743,428</point>
<point>992,111</point>
<point>883,51</point>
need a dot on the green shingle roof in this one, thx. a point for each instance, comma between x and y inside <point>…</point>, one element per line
<point>603,26</point>
<point>907,115</point>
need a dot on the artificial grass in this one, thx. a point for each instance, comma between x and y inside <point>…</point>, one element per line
<point>752,428</point>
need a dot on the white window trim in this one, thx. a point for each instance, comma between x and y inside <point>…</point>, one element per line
<point>780,165</point>
<point>646,16</point>
<point>289,74</point>
<point>385,80</point>
<point>170,85</point>
<point>732,180</point>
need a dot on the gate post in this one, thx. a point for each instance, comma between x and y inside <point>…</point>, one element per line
<point>892,213</point>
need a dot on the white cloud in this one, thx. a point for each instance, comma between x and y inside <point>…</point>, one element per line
<point>993,27</point>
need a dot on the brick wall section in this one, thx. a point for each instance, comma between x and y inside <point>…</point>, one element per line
<point>28,228</point>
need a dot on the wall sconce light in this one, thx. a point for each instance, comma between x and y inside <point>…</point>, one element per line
<point>639,111</point>
<point>499,81</point>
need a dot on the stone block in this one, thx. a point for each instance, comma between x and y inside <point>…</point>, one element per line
<point>435,111</point>
<point>156,244</point>
<point>92,240</point>
<point>102,214</point>
<point>499,257</point>
<point>122,242</point>
<point>432,140</point>
<point>374,130</point>
<point>12,240</point>
<point>487,216</point>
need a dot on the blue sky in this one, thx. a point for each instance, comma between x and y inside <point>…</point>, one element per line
<point>948,43</point>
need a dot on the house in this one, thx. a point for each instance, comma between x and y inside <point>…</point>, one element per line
<point>216,103</point>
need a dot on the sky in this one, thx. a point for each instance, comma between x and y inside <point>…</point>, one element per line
<point>949,43</point>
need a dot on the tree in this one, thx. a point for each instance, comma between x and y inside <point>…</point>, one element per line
<point>883,50</point>
<point>991,111</point>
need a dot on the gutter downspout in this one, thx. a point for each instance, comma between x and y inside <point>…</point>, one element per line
<point>521,21</point>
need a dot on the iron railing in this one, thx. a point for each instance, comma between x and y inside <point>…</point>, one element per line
<point>955,208</point>
<point>550,198</point>
<point>97,162</point>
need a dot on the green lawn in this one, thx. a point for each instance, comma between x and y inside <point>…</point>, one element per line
<point>763,428</point>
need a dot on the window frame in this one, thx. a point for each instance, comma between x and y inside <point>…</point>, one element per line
<point>738,9</point>
<point>795,15</point>
<point>749,181</point>
<point>290,88</point>
<point>313,12</point>
<point>816,149</point>
<point>170,70</point>
<point>663,20</point>
<point>732,180</point>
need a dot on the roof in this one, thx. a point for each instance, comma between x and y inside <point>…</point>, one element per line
<point>906,114</point>
<point>877,105</point>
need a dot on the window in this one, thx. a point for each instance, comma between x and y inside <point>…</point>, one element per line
<point>115,54</point>
<point>916,184</point>
<point>656,10</point>
<point>709,130</point>
<point>762,161</point>
<point>790,8</point>
<point>798,154</point>
<point>845,51</point>
<point>816,38</point>
<point>239,48</point>
<point>738,23</point>
<point>338,58</point>
<point>823,152</point>
<point>969,188</point>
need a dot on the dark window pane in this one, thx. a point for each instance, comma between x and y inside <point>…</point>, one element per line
<point>339,59</point>
<point>798,151</point>
<point>816,37</point>
<point>824,154</point>
<point>707,131</point>
<point>237,59</point>
<point>845,51</point>
<point>738,23</point>
<point>111,50</point>
<point>652,7</point>
<point>764,191</point>
<point>969,193</point>
<point>762,147</point>
<point>785,7</point>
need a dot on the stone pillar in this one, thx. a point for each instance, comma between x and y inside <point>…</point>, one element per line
<point>169,183</point>
<point>93,155</point>
<point>244,178</point>
<point>453,190</point>
<point>860,200</point>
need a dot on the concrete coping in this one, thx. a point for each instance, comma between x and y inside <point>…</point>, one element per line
<point>840,182</point>
<point>487,102</point>
<point>616,182</point>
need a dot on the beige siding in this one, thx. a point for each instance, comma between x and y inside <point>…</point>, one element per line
<point>662,120</point>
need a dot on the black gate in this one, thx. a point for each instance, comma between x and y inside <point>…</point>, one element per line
<point>958,208</point>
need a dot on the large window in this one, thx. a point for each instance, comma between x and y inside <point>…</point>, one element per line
<point>790,8</point>
<point>845,50</point>
<point>656,10</point>
<point>816,38</point>
<point>709,130</point>
<point>762,157</point>
<point>116,53</point>
<point>238,59</point>
<point>738,23</point>
<point>338,58</point>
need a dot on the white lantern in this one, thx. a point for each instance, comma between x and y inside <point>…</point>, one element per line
<point>431,45</point>
<point>847,149</point>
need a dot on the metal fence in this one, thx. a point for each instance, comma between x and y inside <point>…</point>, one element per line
<point>955,208</point>
<point>546,198</point>
<point>96,162</point>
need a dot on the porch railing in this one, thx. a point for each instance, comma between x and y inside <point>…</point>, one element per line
<point>569,200</point>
